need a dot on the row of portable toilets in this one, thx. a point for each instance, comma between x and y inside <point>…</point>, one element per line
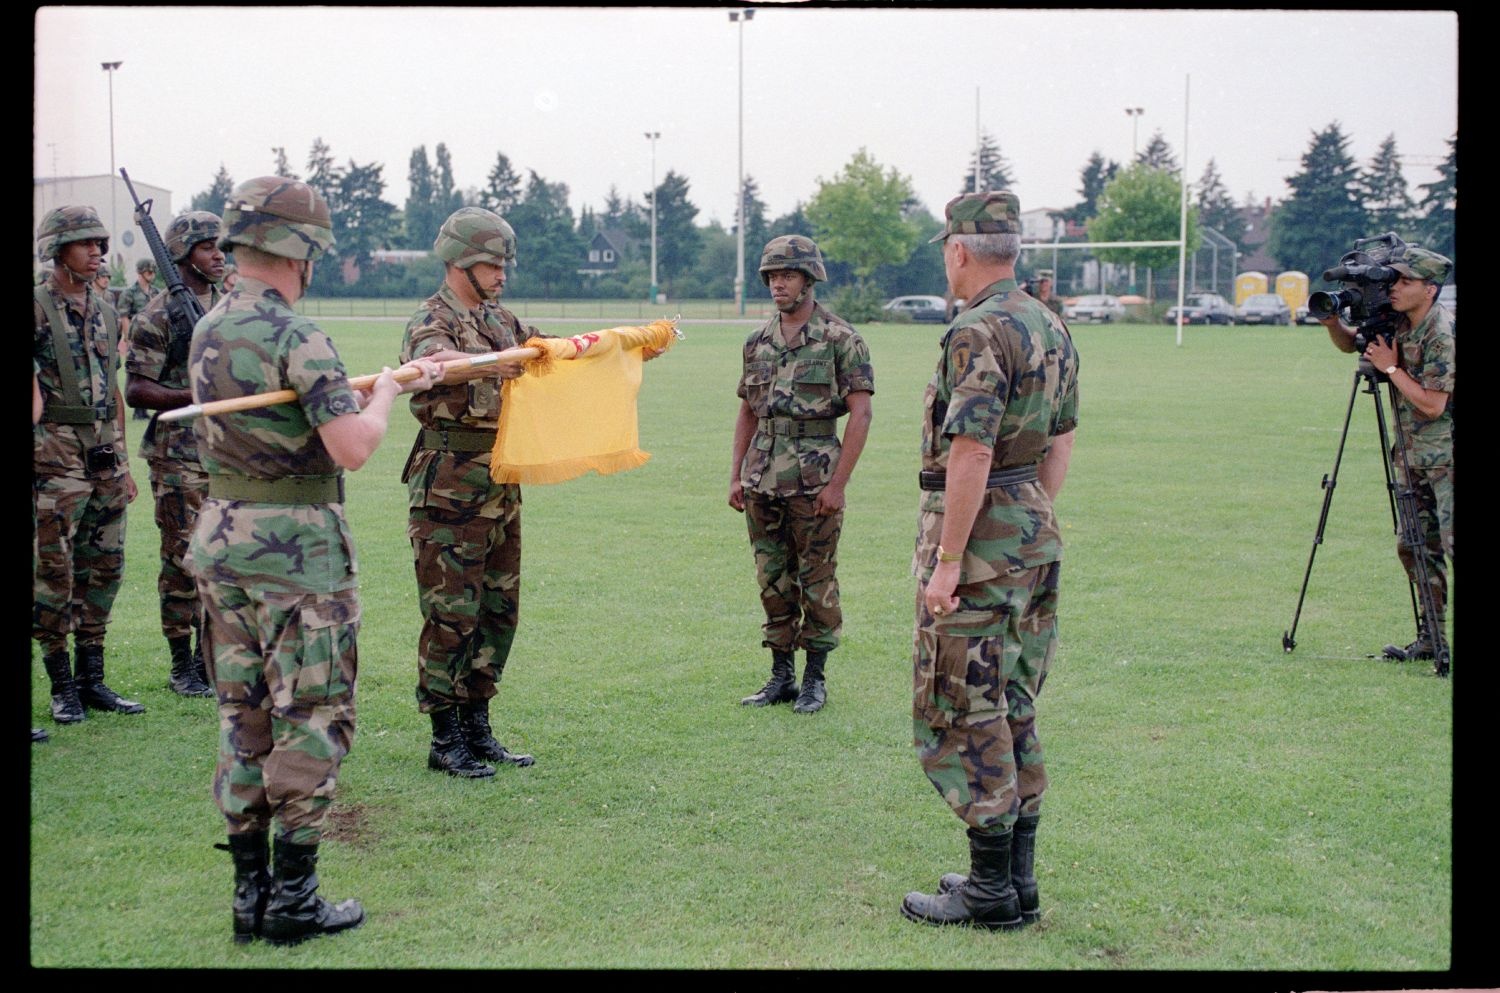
<point>1291,286</point>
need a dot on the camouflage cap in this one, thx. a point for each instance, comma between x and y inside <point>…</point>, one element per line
<point>792,251</point>
<point>280,216</point>
<point>188,229</point>
<point>993,212</point>
<point>64,225</point>
<point>473,234</point>
<point>1419,263</point>
<point>145,265</point>
<point>1044,274</point>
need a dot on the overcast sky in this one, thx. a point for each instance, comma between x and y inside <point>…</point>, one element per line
<point>571,93</point>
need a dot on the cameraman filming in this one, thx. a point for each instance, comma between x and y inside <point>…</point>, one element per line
<point>1420,364</point>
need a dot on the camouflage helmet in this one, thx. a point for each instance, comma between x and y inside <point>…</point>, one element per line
<point>188,229</point>
<point>473,234</point>
<point>792,251</point>
<point>147,264</point>
<point>64,225</point>
<point>279,216</point>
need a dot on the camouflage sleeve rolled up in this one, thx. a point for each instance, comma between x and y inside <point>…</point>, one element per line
<point>978,384</point>
<point>314,370</point>
<point>150,335</point>
<point>853,368</point>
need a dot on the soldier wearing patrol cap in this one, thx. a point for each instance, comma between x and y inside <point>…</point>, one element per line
<point>802,370</point>
<point>1421,365</point>
<point>81,479</point>
<point>997,433</point>
<point>465,529</point>
<point>1043,292</point>
<point>156,378</point>
<point>274,558</point>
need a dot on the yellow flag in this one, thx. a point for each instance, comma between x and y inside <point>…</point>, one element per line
<point>574,409</point>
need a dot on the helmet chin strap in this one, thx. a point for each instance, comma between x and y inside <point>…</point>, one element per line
<point>77,277</point>
<point>478,290</point>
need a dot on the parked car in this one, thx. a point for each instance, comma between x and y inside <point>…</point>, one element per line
<point>1264,308</point>
<point>1203,308</point>
<point>1099,307</point>
<point>1303,317</point>
<point>917,308</point>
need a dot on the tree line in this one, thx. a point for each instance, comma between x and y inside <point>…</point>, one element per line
<point>867,220</point>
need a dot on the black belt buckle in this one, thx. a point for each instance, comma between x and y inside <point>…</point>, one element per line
<point>101,458</point>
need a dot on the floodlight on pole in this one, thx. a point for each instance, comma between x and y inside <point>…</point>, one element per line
<point>109,70</point>
<point>651,136</point>
<point>1135,117</point>
<point>735,17</point>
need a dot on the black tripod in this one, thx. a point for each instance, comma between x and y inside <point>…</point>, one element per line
<point>1404,517</point>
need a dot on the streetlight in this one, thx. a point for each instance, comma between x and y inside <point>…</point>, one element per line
<point>109,70</point>
<point>651,136</point>
<point>739,255</point>
<point>1135,115</point>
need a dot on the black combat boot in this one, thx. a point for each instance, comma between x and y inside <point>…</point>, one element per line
<point>814,694</point>
<point>474,720</point>
<point>986,899</point>
<point>781,687</point>
<point>294,911</point>
<point>450,752</point>
<point>252,882</point>
<point>88,668</point>
<point>66,707</point>
<point>198,667</point>
<point>184,680</point>
<point>38,735</point>
<point>1022,869</point>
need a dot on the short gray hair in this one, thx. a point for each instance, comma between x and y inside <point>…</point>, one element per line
<point>991,249</point>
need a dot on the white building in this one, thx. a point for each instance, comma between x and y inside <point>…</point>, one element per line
<point>109,197</point>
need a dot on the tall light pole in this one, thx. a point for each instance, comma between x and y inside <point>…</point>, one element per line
<point>1135,117</point>
<point>109,70</point>
<point>739,193</point>
<point>651,136</point>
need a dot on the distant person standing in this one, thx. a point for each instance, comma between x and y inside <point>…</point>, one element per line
<point>1044,294</point>
<point>997,435</point>
<point>802,371</point>
<point>80,474</point>
<point>156,378</point>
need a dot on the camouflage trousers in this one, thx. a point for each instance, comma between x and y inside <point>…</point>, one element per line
<point>976,677</point>
<point>179,489</point>
<point>284,666</point>
<point>1434,492</point>
<point>79,557</point>
<point>796,563</point>
<point>469,590</point>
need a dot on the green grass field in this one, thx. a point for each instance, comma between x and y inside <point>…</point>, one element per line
<point>1216,804</point>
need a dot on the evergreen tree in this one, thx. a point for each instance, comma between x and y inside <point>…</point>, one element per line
<point>445,196</point>
<point>1439,206</point>
<point>757,233</point>
<point>994,171</point>
<point>677,239</point>
<point>1094,176</point>
<point>549,250</point>
<point>1216,208</point>
<point>283,165</point>
<point>421,224</point>
<point>1158,154</point>
<point>504,189</point>
<point>323,172</point>
<point>1386,195</point>
<point>363,221</point>
<point>214,198</point>
<point>1322,218</point>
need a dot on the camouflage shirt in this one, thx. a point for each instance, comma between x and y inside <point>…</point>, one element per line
<point>1427,356</point>
<point>1008,379</point>
<point>148,357</point>
<point>92,338</point>
<point>134,300</point>
<point>253,342</point>
<point>459,481</point>
<point>809,382</point>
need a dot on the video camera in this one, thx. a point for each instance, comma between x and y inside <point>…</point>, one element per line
<point>1366,279</point>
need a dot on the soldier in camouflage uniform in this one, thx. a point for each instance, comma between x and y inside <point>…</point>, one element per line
<point>274,558</point>
<point>156,379</point>
<point>135,297</point>
<point>997,434</point>
<point>465,529</point>
<point>1044,294</point>
<point>1421,365</point>
<point>803,369</point>
<point>81,479</point>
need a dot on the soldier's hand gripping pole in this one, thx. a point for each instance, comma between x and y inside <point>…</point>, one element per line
<point>257,400</point>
